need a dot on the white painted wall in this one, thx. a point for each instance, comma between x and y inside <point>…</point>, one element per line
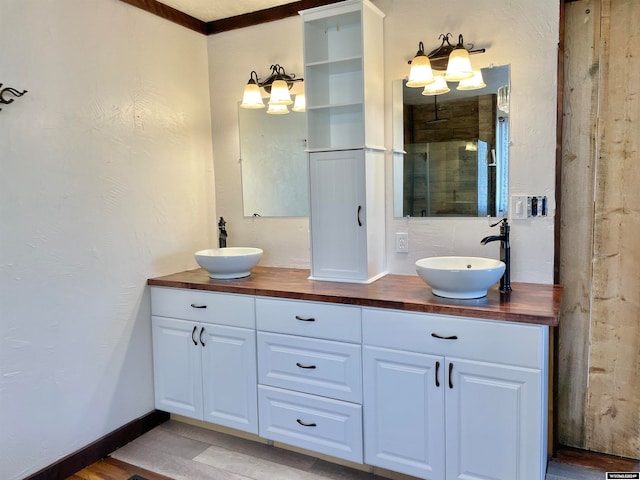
<point>105,180</point>
<point>520,33</point>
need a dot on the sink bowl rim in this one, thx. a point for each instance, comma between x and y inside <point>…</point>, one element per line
<point>228,262</point>
<point>453,281</point>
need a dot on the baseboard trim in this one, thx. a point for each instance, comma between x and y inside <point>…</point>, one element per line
<point>76,461</point>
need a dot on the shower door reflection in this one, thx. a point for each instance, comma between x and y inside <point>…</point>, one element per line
<point>448,179</point>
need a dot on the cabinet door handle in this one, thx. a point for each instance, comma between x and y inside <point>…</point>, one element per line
<point>298,364</point>
<point>201,341</point>
<point>437,369</point>
<point>193,335</point>
<point>305,424</point>
<point>305,319</point>
<point>450,374</point>
<point>359,210</point>
<point>450,337</point>
<point>198,305</point>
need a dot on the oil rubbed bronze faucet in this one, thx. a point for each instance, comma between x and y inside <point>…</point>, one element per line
<point>505,252</point>
<point>222,237</point>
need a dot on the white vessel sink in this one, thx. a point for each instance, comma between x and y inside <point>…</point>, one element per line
<point>229,262</point>
<point>460,277</point>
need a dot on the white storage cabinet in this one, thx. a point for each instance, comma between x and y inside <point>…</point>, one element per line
<point>344,71</point>
<point>204,356</point>
<point>310,376</point>
<point>454,398</point>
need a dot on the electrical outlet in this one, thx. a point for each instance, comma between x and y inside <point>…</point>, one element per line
<point>402,242</point>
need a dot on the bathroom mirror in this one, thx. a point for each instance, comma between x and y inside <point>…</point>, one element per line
<point>451,151</point>
<point>274,163</point>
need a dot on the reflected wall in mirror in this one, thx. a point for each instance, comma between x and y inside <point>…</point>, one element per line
<point>274,164</point>
<point>451,151</point>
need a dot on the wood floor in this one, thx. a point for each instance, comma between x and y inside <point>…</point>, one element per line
<point>175,450</point>
<point>112,469</point>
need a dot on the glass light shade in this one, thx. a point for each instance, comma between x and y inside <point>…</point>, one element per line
<point>277,109</point>
<point>438,87</point>
<point>252,97</point>
<point>280,93</point>
<point>420,74</point>
<point>474,83</point>
<point>459,66</point>
<point>300,105</point>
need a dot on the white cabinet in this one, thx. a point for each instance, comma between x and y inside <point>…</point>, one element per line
<point>204,356</point>
<point>436,411</point>
<point>403,415</point>
<point>310,376</point>
<point>343,55</point>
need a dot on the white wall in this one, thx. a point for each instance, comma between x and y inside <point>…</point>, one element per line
<point>522,34</point>
<point>106,180</point>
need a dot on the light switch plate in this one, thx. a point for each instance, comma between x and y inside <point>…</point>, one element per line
<point>402,242</point>
<point>519,207</point>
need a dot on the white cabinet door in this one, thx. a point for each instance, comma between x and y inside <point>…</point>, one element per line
<point>177,367</point>
<point>338,215</point>
<point>229,377</point>
<point>494,422</point>
<point>404,412</point>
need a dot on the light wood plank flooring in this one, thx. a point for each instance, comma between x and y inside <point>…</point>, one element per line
<point>179,451</point>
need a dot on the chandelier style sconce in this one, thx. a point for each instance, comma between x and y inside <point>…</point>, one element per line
<point>277,85</point>
<point>447,63</point>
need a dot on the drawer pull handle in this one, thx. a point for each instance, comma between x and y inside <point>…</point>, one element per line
<point>202,341</point>
<point>358,216</point>
<point>450,337</point>
<point>305,319</point>
<point>437,369</point>
<point>305,366</point>
<point>450,372</point>
<point>193,335</point>
<point>305,424</point>
<point>198,305</point>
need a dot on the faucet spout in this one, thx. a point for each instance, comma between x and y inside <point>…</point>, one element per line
<point>491,238</point>
<point>505,252</point>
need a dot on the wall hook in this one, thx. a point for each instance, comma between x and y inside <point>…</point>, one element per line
<point>10,90</point>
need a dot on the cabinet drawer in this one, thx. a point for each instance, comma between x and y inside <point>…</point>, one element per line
<point>208,307</point>
<point>321,367</point>
<point>309,319</point>
<point>482,340</point>
<point>315,423</point>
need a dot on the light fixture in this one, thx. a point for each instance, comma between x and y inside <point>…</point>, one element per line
<point>300,104</point>
<point>438,87</point>
<point>277,84</point>
<point>420,74</point>
<point>453,61</point>
<point>474,83</point>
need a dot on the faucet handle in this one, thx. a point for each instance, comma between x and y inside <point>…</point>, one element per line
<point>502,220</point>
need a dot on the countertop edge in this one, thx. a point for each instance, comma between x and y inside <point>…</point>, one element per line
<point>363,296</point>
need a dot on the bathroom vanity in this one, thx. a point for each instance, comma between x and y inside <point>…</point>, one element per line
<point>385,374</point>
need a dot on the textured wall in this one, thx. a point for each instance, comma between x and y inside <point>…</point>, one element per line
<point>507,30</point>
<point>106,180</point>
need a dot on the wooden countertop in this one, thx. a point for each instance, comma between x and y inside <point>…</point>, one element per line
<point>528,302</point>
